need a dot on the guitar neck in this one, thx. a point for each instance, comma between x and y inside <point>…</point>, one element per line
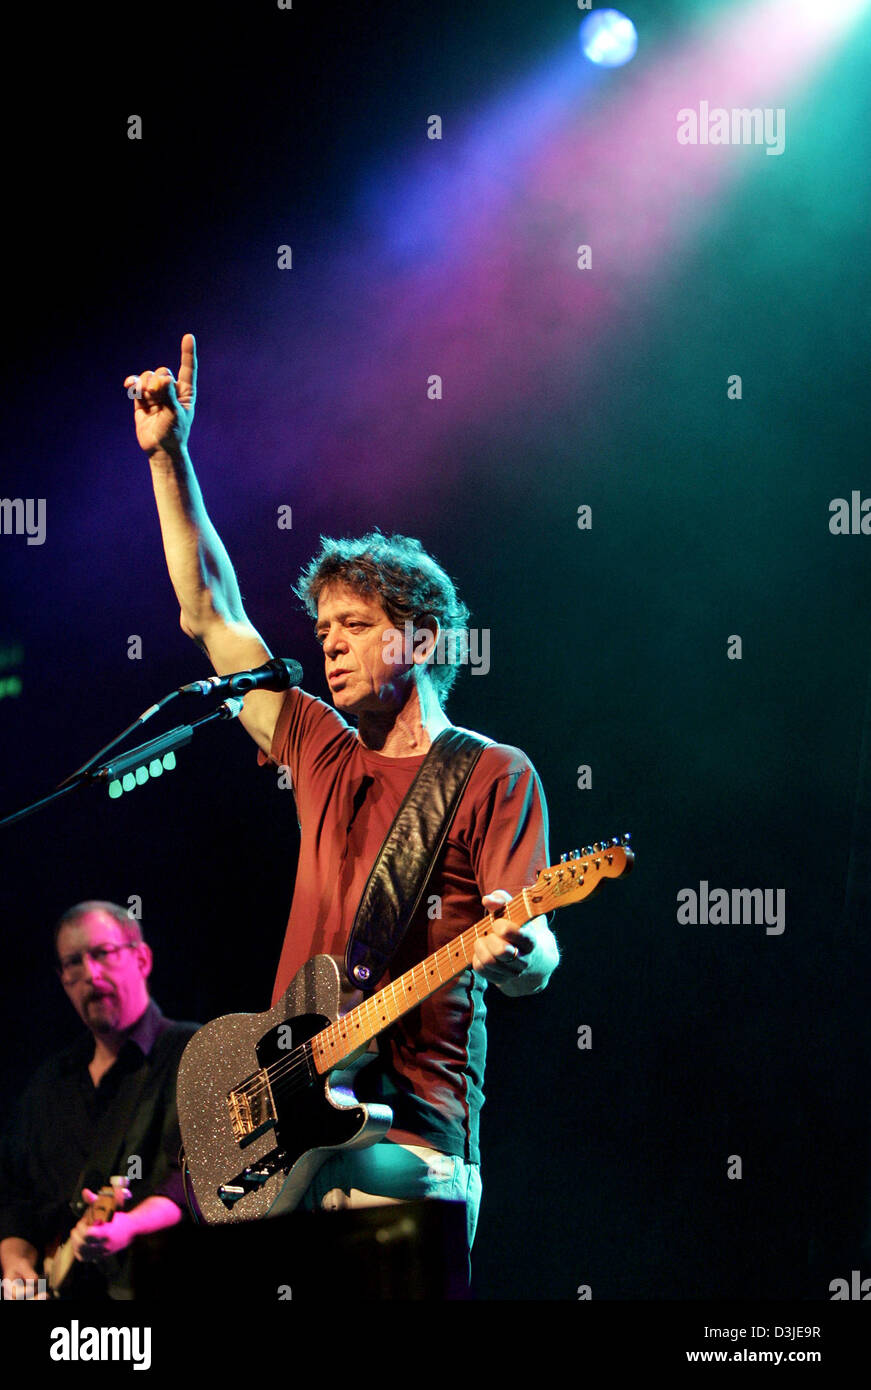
<point>357,1027</point>
<point>103,1208</point>
<point>567,882</point>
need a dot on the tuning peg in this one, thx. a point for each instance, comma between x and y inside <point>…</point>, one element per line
<point>576,854</point>
<point>563,858</point>
<point>588,849</point>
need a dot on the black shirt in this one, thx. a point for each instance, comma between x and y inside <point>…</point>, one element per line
<point>65,1125</point>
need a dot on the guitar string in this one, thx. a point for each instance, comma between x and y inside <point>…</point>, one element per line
<point>283,1071</point>
<point>300,1057</point>
<point>289,1070</point>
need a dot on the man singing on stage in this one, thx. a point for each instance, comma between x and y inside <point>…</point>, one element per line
<point>351,767</point>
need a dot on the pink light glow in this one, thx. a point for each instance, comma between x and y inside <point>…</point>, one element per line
<point>469,268</point>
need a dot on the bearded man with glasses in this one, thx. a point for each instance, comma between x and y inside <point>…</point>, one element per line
<point>104,1106</point>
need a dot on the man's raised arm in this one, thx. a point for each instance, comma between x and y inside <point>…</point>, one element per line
<point>199,566</point>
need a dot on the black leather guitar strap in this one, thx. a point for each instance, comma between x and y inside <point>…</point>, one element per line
<point>407,858</point>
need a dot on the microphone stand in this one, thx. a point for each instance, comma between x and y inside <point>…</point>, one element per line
<point>126,762</point>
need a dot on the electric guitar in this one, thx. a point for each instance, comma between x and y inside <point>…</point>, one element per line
<point>60,1261</point>
<point>263,1099</point>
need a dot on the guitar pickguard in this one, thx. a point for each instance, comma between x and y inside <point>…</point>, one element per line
<point>255,1140</point>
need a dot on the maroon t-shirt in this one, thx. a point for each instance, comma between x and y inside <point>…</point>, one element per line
<point>430,1068</point>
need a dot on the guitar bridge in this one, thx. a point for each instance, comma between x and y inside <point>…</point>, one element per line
<point>251,1107</point>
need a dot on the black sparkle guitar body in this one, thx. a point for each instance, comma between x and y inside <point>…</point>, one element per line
<point>264,1099</point>
<point>257,1119</point>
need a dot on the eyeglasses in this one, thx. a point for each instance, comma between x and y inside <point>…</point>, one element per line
<point>73,967</point>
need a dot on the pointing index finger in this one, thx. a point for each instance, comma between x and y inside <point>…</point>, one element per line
<point>187,372</point>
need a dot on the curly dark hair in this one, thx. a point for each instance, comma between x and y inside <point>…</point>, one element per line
<point>406,581</point>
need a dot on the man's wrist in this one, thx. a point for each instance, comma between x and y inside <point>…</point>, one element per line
<point>169,457</point>
<point>530,981</point>
<point>539,965</point>
<point>152,1214</point>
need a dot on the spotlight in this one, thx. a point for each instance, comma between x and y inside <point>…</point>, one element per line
<point>608,38</point>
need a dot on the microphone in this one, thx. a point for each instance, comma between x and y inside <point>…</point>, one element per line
<point>278,674</point>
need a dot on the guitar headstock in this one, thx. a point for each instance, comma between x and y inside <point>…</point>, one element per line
<point>579,874</point>
<point>109,1199</point>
